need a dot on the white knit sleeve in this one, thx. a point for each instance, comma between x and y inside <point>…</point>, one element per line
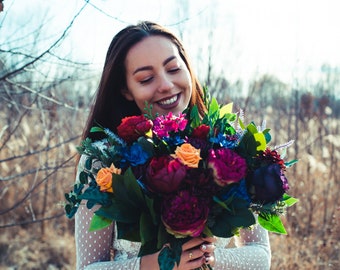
<point>252,252</point>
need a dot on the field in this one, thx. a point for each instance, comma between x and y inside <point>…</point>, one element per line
<point>37,148</point>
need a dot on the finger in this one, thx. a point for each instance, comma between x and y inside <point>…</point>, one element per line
<point>192,243</point>
<point>209,259</point>
<point>193,254</point>
<point>207,248</point>
<point>212,239</point>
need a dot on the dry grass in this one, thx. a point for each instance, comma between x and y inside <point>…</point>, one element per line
<point>40,181</point>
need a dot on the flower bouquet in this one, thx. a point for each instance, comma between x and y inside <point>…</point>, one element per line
<point>164,179</point>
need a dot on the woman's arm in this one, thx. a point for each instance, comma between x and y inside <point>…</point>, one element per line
<point>93,248</point>
<point>252,252</point>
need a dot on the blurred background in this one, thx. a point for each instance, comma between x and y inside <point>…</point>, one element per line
<point>279,61</point>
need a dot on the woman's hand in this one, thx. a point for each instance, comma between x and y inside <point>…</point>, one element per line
<point>195,253</point>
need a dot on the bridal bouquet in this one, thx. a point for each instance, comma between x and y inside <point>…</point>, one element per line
<point>169,177</point>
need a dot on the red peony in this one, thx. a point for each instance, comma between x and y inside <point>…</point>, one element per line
<point>165,174</point>
<point>228,167</point>
<point>133,127</point>
<point>184,214</point>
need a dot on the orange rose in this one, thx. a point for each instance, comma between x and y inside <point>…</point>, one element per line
<point>188,155</point>
<point>104,178</point>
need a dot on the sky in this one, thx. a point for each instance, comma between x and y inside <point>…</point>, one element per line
<point>285,38</point>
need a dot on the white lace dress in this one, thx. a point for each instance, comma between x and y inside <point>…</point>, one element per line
<point>93,249</point>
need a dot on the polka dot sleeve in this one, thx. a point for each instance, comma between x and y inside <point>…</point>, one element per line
<point>252,251</point>
<point>93,249</point>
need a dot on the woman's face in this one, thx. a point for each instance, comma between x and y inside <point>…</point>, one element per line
<point>156,74</point>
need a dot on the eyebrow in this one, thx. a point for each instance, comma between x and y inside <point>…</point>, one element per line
<point>166,61</point>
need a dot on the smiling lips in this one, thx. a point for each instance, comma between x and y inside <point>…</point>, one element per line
<point>169,102</point>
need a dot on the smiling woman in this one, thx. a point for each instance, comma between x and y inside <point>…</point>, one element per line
<point>146,63</point>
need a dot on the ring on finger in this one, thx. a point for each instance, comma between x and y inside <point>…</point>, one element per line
<point>190,255</point>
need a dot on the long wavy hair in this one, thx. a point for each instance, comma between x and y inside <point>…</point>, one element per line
<point>110,106</point>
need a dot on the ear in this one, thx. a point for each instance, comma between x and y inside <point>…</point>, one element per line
<point>126,93</point>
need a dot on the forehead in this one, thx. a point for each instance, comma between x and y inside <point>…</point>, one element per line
<point>151,50</point>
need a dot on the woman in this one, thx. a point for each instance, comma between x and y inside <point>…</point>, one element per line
<point>147,63</point>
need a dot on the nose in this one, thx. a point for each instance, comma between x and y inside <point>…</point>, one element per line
<point>165,83</point>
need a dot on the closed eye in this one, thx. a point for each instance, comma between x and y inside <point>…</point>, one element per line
<point>146,80</point>
<point>174,70</point>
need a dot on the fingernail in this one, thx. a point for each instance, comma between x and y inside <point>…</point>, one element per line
<point>203,247</point>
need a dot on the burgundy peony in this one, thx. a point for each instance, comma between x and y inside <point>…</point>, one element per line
<point>184,214</point>
<point>133,127</point>
<point>228,167</point>
<point>267,184</point>
<point>165,174</point>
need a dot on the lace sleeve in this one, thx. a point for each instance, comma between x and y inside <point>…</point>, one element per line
<point>93,248</point>
<point>252,251</point>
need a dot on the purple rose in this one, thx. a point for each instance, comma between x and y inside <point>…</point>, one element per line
<point>164,174</point>
<point>267,184</point>
<point>184,214</point>
<point>228,167</point>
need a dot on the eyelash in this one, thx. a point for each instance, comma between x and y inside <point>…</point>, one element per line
<point>173,70</point>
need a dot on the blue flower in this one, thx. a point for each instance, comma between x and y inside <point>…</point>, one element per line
<point>225,142</point>
<point>174,140</point>
<point>239,191</point>
<point>134,156</point>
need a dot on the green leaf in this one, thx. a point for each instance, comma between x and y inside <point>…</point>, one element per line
<point>214,107</point>
<point>228,221</point>
<point>289,201</point>
<point>96,129</point>
<point>83,178</point>
<point>291,163</point>
<point>241,124</point>
<point>147,228</point>
<point>226,109</point>
<point>165,259</point>
<point>195,117</point>
<point>272,223</point>
<point>88,163</point>
<point>128,231</point>
<point>261,141</point>
<point>98,223</point>
<point>252,128</point>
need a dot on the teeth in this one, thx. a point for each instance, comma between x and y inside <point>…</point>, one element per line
<point>169,101</point>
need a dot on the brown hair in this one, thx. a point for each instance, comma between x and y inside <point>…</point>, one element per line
<point>110,106</point>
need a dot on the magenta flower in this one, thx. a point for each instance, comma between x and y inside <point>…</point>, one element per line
<point>228,167</point>
<point>184,214</point>
<point>165,124</point>
<point>164,174</point>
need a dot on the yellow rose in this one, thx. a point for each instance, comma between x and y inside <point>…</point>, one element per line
<point>104,178</point>
<point>188,155</point>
